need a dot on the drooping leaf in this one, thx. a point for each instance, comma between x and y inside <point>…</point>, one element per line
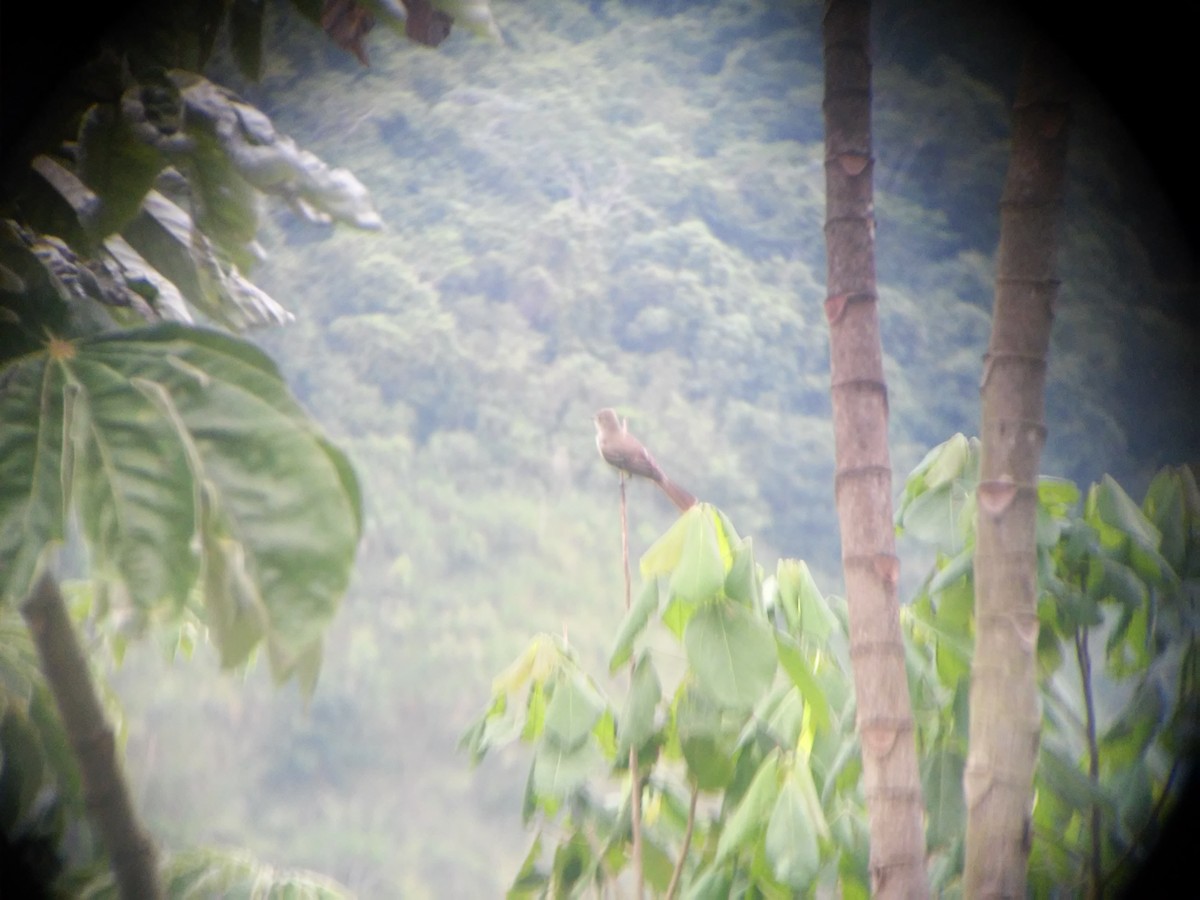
<point>707,744</point>
<point>115,164</point>
<point>1118,518</point>
<point>530,878</point>
<point>271,161</point>
<point>559,770</point>
<point>634,624</point>
<point>573,710</point>
<point>192,462</point>
<point>193,874</point>
<point>946,812</point>
<point>732,653</point>
<point>791,839</point>
<point>742,583</point>
<point>794,662</point>
<point>636,722</point>
<point>1126,740</point>
<point>752,813</point>
<point>699,575</point>
<point>33,486</point>
<point>664,554</point>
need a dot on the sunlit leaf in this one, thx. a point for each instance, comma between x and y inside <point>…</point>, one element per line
<point>664,554</point>
<point>797,666</point>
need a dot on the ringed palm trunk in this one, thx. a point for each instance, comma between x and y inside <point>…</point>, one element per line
<point>1005,723</point>
<point>863,485</point>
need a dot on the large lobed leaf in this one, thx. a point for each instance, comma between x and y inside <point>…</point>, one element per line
<point>190,465</point>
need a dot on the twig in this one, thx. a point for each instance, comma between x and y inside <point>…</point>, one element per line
<point>635,781</point>
<point>1085,673</point>
<point>687,843</point>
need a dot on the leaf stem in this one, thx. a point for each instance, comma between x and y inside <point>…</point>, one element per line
<point>1085,673</point>
<point>635,781</point>
<point>673,887</point>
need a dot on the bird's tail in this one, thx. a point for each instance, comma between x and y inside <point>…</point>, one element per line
<point>678,495</point>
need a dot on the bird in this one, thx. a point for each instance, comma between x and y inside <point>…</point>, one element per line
<point>623,451</point>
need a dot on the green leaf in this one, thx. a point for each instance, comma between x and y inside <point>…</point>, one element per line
<point>732,653</point>
<point>636,724</point>
<point>192,462</point>
<point>782,715</point>
<point>959,566</point>
<point>117,166</point>
<point>559,770</point>
<point>572,860</point>
<point>664,554</point>
<point>634,623</point>
<point>742,583</point>
<point>947,462</point>
<point>1164,507</point>
<point>699,575</point>
<point>234,873</point>
<point>530,879</point>
<point>796,664</point>
<point>33,479</point>
<point>791,841</point>
<point>816,618</point>
<point>268,160</point>
<point>1057,495</point>
<point>573,710</point>
<point>1126,741</point>
<point>165,235</point>
<point>715,884</point>
<point>752,813</point>
<point>706,743</point>
<point>945,807</point>
<point>1109,505</point>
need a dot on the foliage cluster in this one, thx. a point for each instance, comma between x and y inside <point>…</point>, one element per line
<point>741,713</point>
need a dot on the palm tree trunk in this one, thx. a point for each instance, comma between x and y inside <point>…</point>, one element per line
<point>863,486</point>
<point>1005,713</point>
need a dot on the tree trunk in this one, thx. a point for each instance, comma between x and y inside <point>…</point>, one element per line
<point>131,851</point>
<point>1005,711</point>
<point>863,484</point>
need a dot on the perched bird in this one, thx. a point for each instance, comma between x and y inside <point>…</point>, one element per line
<point>623,451</point>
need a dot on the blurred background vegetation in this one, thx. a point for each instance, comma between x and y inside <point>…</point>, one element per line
<point>620,204</point>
